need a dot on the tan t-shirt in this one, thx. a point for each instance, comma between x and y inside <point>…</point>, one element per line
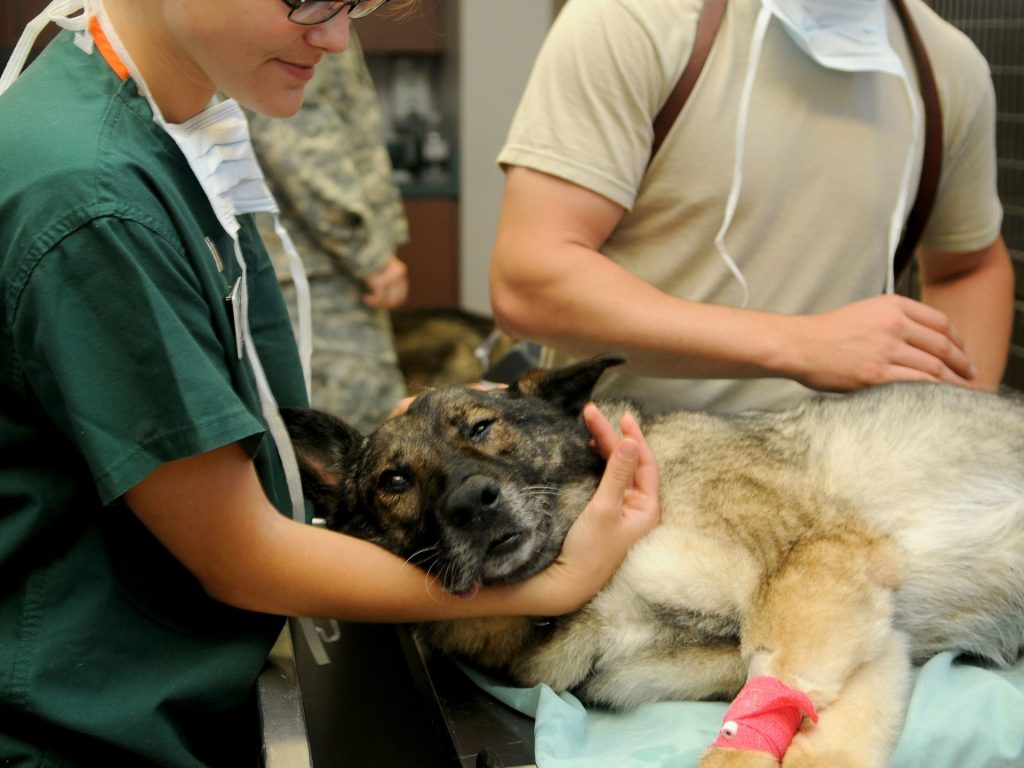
<point>822,166</point>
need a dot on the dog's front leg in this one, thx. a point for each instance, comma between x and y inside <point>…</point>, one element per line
<point>734,758</point>
<point>865,720</point>
<point>821,625</point>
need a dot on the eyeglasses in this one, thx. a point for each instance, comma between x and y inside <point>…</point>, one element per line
<point>311,12</point>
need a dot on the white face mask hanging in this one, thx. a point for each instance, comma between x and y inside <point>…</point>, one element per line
<point>846,35</point>
<point>217,147</point>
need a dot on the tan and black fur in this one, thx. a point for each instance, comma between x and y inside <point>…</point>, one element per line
<point>829,545</point>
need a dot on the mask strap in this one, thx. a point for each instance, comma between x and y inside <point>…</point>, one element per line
<point>279,434</point>
<point>302,300</point>
<point>900,209</point>
<point>757,42</point>
<point>60,13</point>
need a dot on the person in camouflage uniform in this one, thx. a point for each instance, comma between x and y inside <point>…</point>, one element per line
<point>329,169</point>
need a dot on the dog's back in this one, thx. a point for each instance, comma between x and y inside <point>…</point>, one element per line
<point>946,483</point>
<point>938,469</point>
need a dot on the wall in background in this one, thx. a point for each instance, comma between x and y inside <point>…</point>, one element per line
<point>477,56</point>
<point>14,15</point>
<point>499,41</point>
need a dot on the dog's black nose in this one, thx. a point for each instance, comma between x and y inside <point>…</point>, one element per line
<point>473,502</point>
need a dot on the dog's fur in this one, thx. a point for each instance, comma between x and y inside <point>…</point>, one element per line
<point>828,545</point>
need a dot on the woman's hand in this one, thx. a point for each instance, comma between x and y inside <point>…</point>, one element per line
<point>623,509</point>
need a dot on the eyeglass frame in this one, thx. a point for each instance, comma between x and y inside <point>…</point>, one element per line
<point>350,5</point>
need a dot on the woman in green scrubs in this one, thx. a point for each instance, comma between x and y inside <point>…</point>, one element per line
<point>147,548</point>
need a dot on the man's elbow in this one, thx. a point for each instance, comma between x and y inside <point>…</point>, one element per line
<point>515,313</point>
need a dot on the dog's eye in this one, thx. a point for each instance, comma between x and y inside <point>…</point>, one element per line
<point>393,481</point>
<point>478,430</point>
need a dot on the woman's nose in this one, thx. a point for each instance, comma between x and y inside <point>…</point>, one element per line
<point>331,36</point>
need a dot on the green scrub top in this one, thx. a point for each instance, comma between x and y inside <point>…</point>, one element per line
<point>117,354</point>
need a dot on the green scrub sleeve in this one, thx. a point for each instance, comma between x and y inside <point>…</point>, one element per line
<point>133,351</point>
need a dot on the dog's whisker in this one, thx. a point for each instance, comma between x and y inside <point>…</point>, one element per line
<point>423,554</point>
<point>539,490</point>
<point>427,579</point>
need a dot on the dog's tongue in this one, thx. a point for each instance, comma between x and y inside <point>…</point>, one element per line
<point>471,592</point>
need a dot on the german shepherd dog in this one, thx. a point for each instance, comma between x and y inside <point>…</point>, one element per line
<point>830,545</point>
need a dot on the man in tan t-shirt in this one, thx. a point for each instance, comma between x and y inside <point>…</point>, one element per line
<point>756,304</point>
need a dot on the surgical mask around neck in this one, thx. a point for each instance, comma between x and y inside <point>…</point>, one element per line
<point>217,147</point>
<point>215,143</point>
<point>219,151</point>
<point>843,35</point>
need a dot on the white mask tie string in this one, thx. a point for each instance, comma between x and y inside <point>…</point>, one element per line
<point>852,36</point>
<point>757,43</point>
<point>302,300</point>
<point>60,12</point>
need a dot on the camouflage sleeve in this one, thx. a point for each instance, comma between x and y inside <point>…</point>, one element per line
<point>330,171</point>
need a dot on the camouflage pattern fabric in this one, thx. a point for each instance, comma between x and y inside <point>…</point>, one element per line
<point>330,172</point>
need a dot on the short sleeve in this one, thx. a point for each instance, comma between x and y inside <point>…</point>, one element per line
<point>127,344</point>
<point>967,214</point>
<point>587,112</point>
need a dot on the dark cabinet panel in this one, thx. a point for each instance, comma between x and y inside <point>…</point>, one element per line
<point>432,253</point>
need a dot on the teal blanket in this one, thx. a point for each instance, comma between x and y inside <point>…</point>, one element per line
<point>960,716</point>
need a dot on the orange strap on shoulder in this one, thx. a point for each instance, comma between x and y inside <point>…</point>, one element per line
<point>107,50</point>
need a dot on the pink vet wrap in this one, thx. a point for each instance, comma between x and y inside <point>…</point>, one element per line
<point>764,717</point>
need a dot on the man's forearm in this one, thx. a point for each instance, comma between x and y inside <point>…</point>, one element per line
<point>980,302</point>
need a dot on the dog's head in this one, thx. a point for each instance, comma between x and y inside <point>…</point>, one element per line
<point>477,487</point>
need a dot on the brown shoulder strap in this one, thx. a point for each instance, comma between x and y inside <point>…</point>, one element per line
<point>931,163</point>
<point>707,27</point>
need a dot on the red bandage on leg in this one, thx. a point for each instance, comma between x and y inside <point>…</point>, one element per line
<point>764,717</point>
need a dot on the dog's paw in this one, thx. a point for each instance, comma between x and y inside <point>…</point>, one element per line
<point>720,757</point>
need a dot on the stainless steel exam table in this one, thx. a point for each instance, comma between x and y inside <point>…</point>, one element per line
<point>379,702</point>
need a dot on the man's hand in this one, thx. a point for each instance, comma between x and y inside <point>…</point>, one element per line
<point>388,287</point>
<point>885,338</point>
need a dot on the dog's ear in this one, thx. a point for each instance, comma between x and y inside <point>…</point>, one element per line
<point>570,387</point>
<point>323,446</point>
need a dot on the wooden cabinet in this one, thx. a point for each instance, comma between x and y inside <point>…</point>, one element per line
<point>432,253</point>
<point>424,29</point>
<point>423,35</point>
